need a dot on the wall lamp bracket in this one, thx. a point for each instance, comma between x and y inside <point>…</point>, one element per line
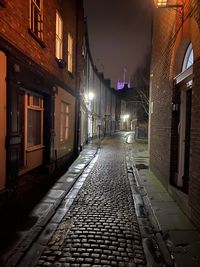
<point>164,4</point>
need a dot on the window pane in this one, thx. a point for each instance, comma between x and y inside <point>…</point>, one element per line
<point>34,128</point>
<point>67,108</point>
<point>59,35</point>
<point>66,133</point>
<point>67,121</point>
<point>70,52</point>
<point>64,122</point>
<point>36,17</point>
<point>36,101</point>
<point>38,3</point>
<point>189,58</point>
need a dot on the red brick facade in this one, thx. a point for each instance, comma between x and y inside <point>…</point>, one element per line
<point>14,25</point>
<point>33,72</point>
<point>173,31</point>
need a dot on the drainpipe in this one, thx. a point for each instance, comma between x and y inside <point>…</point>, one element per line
<point>150,82</point>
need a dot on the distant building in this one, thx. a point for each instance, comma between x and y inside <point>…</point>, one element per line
<point>120,85</point>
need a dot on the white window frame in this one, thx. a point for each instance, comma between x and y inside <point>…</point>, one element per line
<point>63,137</point>
<point>70,53</point>
<point>187,62</point>
<point>59,36</point>
<point>38,10</point>
<point>29,105</point>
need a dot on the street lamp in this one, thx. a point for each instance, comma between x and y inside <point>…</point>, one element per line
<point>91,96</point>
<point>126,116</point>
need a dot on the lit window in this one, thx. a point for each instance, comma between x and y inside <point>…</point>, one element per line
<point>36,18</point>
<point>59,36</point>
<point>70,53</point>
<point>64,124</point>
<point>34,116</point>
<point>188,59</point>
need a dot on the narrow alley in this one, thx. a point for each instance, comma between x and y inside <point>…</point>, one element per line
<point>100,228</point>
<point>102,218</point>
<point>99,133</point>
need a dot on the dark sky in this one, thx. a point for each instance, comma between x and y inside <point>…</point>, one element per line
<point>119,35</point>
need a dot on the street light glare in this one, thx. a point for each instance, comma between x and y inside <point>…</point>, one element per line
<point>91,96</point>
<point>126,116</point>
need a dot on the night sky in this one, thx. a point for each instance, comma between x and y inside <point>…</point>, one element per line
<point>119,35</point>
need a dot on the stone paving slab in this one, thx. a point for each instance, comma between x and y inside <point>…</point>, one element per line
<point>181,237</point>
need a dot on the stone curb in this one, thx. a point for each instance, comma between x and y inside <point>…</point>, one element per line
<point>145,210</point>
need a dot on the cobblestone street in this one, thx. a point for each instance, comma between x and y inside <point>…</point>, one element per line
<point>100,228</point>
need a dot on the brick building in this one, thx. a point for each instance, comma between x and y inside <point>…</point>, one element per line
<point>97,100</point>
<point>175,101</point>
<point>40,62</point>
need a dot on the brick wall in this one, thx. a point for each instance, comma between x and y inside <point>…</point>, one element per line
<point>170,40</point>
<point>14,25</point>
<point>161,93</point>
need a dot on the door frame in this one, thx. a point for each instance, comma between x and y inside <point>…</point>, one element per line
<point>182,85</point>
<point>3,118</point>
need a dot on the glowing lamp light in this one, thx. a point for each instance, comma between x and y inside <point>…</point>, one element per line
<point>160,3</point>
<point>164,3</point>
<point>91,96</point>
<point>125,117</point>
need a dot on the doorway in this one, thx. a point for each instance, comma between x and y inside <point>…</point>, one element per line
<point>31,109</point>
<point>181,123</point>
<point>184,128</point>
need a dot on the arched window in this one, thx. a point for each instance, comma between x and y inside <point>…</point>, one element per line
<point>189,58</point>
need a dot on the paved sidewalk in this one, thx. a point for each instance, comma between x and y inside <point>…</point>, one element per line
<point>180,235</point>
<point>46,208</point>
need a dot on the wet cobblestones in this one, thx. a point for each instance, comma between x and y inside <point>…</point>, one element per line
<point>101,228</point>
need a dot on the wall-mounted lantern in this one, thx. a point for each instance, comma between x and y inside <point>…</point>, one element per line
<point>166,4</point>
<point>170,4</point>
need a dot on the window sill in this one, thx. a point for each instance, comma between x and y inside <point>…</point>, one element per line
<point>40,42</point>
<point>31,149</point>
